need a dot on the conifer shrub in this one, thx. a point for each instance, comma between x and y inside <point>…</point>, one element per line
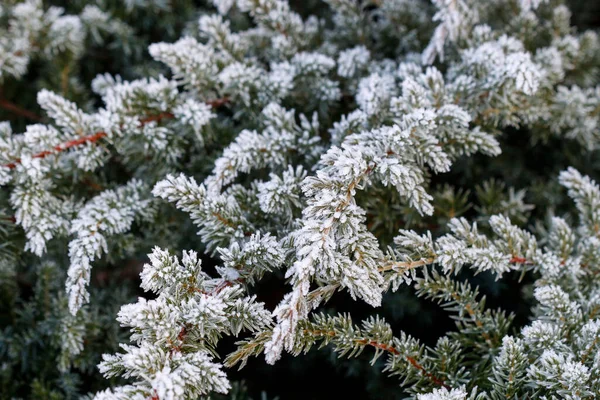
<point>405,186</point>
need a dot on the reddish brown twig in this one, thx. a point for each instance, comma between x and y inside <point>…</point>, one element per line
<point>432,377</point>
<point>157,118</point>
<point>519,260</point>
<point>216,103</point>
<point>9,106</point>
<point>88,182</point>
<point>224,284</point>
<point>389,349</point>
<point>62,147</point>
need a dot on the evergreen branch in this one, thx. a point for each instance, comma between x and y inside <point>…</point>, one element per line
<point>346,338</point>
<point>459,298</point>
<point>387,348</point>
<point>99,135</point>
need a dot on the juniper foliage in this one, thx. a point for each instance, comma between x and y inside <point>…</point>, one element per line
<point>276,166</point>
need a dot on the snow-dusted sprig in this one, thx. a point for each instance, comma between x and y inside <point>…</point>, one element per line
<point>461,23</point>
<point>281,138</point>
<point>130,121</point>
<point>176,333</point>
<point>456,20</point>
<point>247,262</point>
<point>65,34</point>
<point>575,113</point>
<point>230,46</point>
<point>287,31</point>
<point>562,376</point>
<point>374,93</point>
<point>66,115</point>
<point>219,68</point>
<point>417,251</point>
<point>426,96</point>
<point>194,114</point>
<point>510,368</point>
<point>110,213</point>
<point>282,195</point>
<point>144,115</point>
<point>466,246</point>
<point>192,63</point>
<point>354,122</point>
<point>219,216</point>
<point>43,144</point>
<point>311,75</point>
<point>528,87</point>
<point>26,21</point>
<point>304,78</point>
<point>140,98</point>
<point>447,394</point>
<point>15,45</point>
<point>350,19</point>
<point>71,338</point>
<point>556,306</point>
<point>41,214</point>
<point>492,67</point>
<point>511,249</point>
<point>564,366</point>
<point>586,194</point>
<point>38,210</point>
<point>352,61</point>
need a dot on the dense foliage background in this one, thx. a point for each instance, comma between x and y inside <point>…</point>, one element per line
<point>27,350</point>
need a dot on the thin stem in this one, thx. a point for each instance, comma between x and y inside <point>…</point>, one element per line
<point>216,103</point>
<point>12,107</point>
<point>432,377</point>
<point>406,265</point>
<point>589,350</point>
<point>62,147</point>
<point>64,79</point>
<point>157,117</point>
<point>520,260</point>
